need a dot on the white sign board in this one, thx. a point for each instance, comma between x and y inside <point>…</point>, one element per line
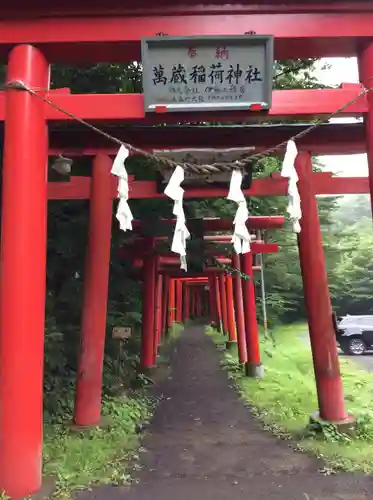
<point>207,73</point>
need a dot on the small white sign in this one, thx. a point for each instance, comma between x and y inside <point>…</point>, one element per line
<point>122,332</point>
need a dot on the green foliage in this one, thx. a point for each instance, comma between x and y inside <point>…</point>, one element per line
<point>286,397</point>
<point>67,241</point>
<point>100,455</point>
<point>101,78</point>
<point>351,275</point>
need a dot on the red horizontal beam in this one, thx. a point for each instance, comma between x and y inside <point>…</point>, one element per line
<point>253,222</point>
<point>175,261</point>
<point>324,183</point>
<point>201,279</point>
<point>175,273</point>
<point>105,38</point>
<point>134,253</point>
<point>196,283</point>
<point>298,104</point>
<point>55,8</point>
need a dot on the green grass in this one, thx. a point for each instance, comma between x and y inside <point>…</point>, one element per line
<point>102,455</point>
<point>99,456</point>
<point>286,397</point>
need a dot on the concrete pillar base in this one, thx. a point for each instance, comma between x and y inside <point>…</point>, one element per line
<point>148,371</point>
<point>230,344</point>
<point>254,370</point>
<point>346,426</point>
<point>48,487</point>
<point>103,424</point>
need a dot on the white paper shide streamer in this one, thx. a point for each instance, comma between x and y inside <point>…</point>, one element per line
<point>124,214</point>
<point>181,234</point>
<point>288,170</point>
<point>241,235</point>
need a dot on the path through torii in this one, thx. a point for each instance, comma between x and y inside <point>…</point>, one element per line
<point>25,189</point>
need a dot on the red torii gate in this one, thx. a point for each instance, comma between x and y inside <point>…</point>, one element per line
<point>299,30</point>
<point>146,256</point>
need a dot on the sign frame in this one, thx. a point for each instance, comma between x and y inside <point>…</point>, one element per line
<point>121,332</point>
<point>220,41</point>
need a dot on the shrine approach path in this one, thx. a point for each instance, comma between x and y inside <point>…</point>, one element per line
<point>203,444</point>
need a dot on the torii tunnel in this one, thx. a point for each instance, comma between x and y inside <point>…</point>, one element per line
<point>34,35</point>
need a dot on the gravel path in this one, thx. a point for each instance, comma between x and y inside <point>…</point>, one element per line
<point>203,444</point>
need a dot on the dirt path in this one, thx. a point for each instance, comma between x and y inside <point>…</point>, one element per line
<point>203,444</point>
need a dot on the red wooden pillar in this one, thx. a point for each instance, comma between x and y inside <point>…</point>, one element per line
<point>223,302</point>
<point>186,303</point>
<point>254,367</point>
<point>87,411</point>
<point>218,303</point>
<point>165,290</point>
<point>171,303</point>
<point>199,299</point>
<point>23,276</point>
<point>365,62</point>
<point>179,301</point>
<point>212,300</point>
<point>148,308</point>
<point>192,302</point>
<point>239,309</point>
<point>207,304</point>
<point>317,300</point>
<point>230,310</point>
<point>204,311</point>
<point>158,314</point>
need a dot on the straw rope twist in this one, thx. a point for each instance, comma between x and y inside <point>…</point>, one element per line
<point>165,163</point>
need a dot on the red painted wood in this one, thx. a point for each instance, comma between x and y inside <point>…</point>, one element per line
<point>165,290</point>
<point>232,335</point>
<point>198,301</point>
<point>218,301</point>
<point>212,300</point>
<point>23,276</point>
<point>298,104</point>
<point>79,188</point>
<point>22,8</point>
<point>365,62</point>
<point>167,258</point>
<point>87,411</point>
<point>171,303</point>
<point>148,310</point>
<point>105,38</point>
<point>158,313</point>
<point>317,300</point>
<point>239,309</point>
<point>223,303</point>
<point>251,324</point>
<point>186,303</point>
<point>179,300</point>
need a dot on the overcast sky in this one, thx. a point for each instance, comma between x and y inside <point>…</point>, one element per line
<point>342,70</point>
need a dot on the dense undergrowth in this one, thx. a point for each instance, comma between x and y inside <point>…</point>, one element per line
<point>99,456</point>
<point>286,397</point>
<point>107,454</point>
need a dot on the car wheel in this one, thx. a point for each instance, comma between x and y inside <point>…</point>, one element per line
<point>356,346</point>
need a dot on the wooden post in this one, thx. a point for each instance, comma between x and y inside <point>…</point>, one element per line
<point>254,367</point>
<point>148,308</point>
<point>87,411</point>
<point>23,275</point>
<point>232,336</point>
<point>317,300</point>
<point>239,309</point>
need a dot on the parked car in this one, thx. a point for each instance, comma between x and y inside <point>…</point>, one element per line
<point>355,334</point>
